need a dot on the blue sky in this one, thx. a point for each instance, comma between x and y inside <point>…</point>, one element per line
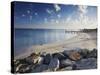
<point>54,16</point>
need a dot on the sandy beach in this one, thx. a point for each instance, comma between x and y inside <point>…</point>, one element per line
<point>82,40</point>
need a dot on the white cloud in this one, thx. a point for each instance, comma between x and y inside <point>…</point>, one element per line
<point>23,15</point>
<point>59,16</point>
<point>84,21</point>
<point>68,19</point>
<point>81,21</point>
<point>30,17</point>
<point>56,21</point>
<point>49,11</point>
<point>36,13</point>
<point>28,11</point>
<point>57,7</point>
<point>45,20</point>
<point>83,8</point>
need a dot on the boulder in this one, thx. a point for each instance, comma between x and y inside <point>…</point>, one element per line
<point>66,53</point>
<point>16,62</point>
<point>60,56</point>
<point>66,68</point>
<point>42,54</point>
<point>74,55</point>
<point>77,49</point>
<point>23,68</point>
<point>40,68</point>
<point>47,59</point>
<point>65,63</point>
<point>40,60</point>
<point>84,53</point>
<point>89,63</point>
<point>34,59</point>
<point>18,68</point>
<point>92,54</point>
<point>54,64</point>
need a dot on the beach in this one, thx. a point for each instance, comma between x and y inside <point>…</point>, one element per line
<point>77,53</point>
<point>84,40</point>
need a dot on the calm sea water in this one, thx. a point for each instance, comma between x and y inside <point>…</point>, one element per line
<point>25,38</point>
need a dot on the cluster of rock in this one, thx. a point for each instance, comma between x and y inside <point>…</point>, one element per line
<point>62,61</point>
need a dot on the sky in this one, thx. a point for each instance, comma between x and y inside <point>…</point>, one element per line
<point>54,16</point>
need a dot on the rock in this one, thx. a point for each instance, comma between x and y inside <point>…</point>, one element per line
<point>74,56</point>
<point>23,68</point>
<point>16,62</point>
<point>65,63</point>
<point>66,68</point>
<point>60,56</point>
<point>43,54</point>
<point>89,63</point>
<point>84,53</point>
<point>77,49</point>
<point>47,59</point>
<point>20,61</point>
<point>54,64</point>
<point>34,59</point>
<point>40,60</point>
<point>18,67</point>
<point>66,53</point>
<point>92,54</point>
<point>40,68</point>
<point>74,67</point>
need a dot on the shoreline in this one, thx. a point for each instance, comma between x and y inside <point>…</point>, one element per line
<point>82,40</point>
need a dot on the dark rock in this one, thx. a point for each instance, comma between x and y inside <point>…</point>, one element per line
<point>54,64</point>
<point>40,68</point>
<point>66,53</point>
<point>65,63</point>
<point>89,63</point>
<point>92,54</point>
<point>60,56</point>
<point>47,59</point>
<point>74,67</point>
<point>84,53</point>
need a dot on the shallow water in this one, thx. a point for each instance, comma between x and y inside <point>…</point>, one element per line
<point>25,38</point>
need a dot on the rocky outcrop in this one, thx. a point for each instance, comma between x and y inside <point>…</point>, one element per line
<point>89,63</point>
<point>61,61</point>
